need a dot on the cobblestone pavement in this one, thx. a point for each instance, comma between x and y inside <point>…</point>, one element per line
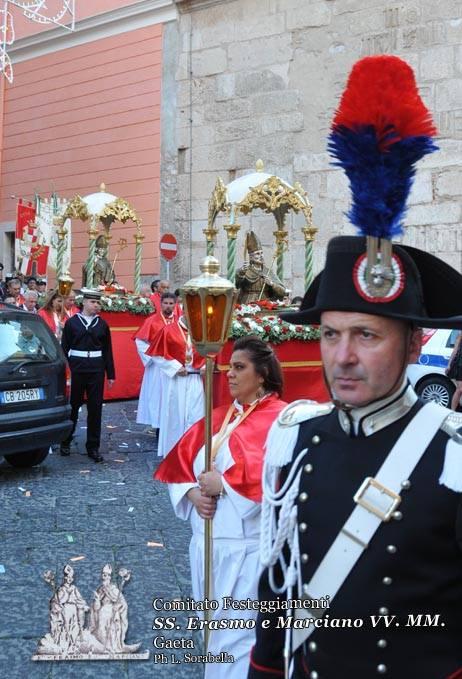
<point>70,507</point>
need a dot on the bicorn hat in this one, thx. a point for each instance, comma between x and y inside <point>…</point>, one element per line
<point>380,130</point>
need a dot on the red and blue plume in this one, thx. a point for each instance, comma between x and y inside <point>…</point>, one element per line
<point>379,132</point>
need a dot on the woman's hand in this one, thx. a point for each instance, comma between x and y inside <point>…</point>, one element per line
<point>205,506</point>
<point>210,483</point>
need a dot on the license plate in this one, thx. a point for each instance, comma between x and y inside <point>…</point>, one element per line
<point>21,395</point>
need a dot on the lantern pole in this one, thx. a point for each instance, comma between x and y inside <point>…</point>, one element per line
<point>208,302</point>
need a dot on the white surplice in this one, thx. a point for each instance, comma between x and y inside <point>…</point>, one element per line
<point>236,563</point>
<point>150,399</point>
<point>182,402</point>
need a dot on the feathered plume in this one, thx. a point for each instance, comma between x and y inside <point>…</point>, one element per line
<point>380,130</point>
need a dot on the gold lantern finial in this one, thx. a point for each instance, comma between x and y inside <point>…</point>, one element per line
<point>259,165</point>
<point>102,187</point>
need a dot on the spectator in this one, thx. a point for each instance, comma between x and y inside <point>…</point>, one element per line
<point>30,301</point>
<point>52,313</point>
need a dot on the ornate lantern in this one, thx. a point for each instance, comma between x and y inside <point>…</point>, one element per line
<point>65,283</point>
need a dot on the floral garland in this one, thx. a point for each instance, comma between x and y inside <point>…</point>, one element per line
<point>246,318</point>
<point>119,303</point>
<point>246,321</point>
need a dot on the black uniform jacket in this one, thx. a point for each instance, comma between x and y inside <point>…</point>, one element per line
<point>413,565</point>
<point>97,337</point>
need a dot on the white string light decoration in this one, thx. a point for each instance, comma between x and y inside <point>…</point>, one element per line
<point>57,12</point>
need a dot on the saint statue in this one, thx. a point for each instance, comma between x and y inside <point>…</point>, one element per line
<point>109,614</point>
<point>67,616</point>
<point>254,280</point>
<point>103,273</point>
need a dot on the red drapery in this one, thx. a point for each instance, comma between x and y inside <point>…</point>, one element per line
<point>128,366</point>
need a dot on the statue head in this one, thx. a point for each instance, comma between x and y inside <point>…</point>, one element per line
<point>106,572</point>
<point>254,247</point>
<point>101,246</point>
<point>68,573</point>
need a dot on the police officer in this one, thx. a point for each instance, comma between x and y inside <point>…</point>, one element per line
<point>86,342</point>
<point>362,513</point>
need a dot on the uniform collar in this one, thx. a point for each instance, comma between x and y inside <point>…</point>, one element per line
<point>375,416</point>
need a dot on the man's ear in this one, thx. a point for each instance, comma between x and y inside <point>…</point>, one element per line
<point>415,344</point>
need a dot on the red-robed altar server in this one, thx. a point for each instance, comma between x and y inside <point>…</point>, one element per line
<point>230,494</point>
<point>182,390</point>
<point>149,402</point>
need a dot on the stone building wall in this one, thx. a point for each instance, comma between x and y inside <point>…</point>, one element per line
<point>261,79</point>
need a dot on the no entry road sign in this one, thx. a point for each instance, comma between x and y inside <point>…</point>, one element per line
<point>168,246</point>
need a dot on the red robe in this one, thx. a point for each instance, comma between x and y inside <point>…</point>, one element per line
<point>151,326</point>
<point>169,342</point>
<point>246,444</point>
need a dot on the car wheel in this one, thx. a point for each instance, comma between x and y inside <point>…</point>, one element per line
<point>436,389</point>
<point>29,458</point>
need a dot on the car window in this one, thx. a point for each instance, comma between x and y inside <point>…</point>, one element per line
<point>25,337</point>
<point>453,335</point>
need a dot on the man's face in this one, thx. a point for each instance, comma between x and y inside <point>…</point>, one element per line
<point>91,307</point>
<point>365,356</point>
<point>30,302</point>
<point>14,288</point>
<point>167,306</point>
<point>257,257</point>
<point>164,286</point>
<point>32,285</point>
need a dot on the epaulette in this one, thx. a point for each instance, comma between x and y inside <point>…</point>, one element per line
<point>452,425</point>
<point>301,410</point>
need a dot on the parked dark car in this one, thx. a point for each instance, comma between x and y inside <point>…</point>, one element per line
<point>34,409</point>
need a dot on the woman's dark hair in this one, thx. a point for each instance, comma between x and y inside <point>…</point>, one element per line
<point>264,360</point>
<point>154,284</point>
<point>51,295</point>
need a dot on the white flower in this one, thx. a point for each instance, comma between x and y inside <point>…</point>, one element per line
<point>109,302</point>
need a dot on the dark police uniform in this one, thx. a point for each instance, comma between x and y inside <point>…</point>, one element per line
<point>89,351</point>
<point>412,566</point>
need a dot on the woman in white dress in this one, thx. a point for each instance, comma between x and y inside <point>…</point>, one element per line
<point>230,494</point>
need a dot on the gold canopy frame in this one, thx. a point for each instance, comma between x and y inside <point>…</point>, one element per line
<point>272,195</point>
<point>105,208</point>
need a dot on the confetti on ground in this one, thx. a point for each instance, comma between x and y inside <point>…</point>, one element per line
<point>110,499</point>
<point>116,460</point>
<point>111,426</point>
<point>70,538</point>
<point>23,490</point>
<point>76,558</point>
<point>123,445</point>
<point>2,568</point>
<point>28,493</point>
<point>138,444</point>
<point>120,483</point>
<point>130,509</point>
<point>154,544</point>
<point>84,471</point>
<point>103,481</point>
<point>82,427</point>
